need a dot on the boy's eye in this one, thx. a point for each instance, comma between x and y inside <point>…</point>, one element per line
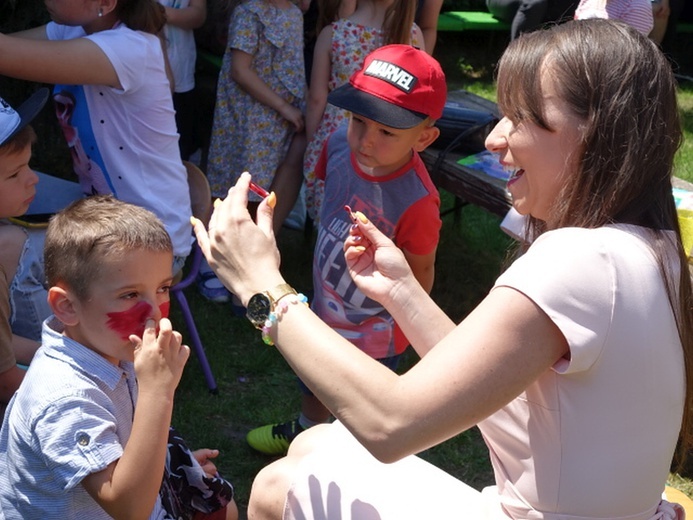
<point>387,132</point>
<point>165,289</point>
<point>356,119</point>
<point>130,295</point>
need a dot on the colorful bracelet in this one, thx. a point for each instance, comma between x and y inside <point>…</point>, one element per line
<point>276,314</point>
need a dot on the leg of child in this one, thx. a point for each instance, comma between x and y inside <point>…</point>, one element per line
<point>184,103</point>
<point>288,179</point>
<point>312,411</point>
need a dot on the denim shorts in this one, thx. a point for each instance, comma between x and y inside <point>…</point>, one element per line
<point>28,293</point>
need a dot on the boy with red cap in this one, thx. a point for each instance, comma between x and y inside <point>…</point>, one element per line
<point>373,166</point>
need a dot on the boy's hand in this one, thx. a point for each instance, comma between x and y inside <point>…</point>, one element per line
<point>159,357</point>
<point>202,456</point>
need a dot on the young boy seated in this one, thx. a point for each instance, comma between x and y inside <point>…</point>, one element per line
<point>23,303</point>
<point>373,166</point>
<point>86,434</point>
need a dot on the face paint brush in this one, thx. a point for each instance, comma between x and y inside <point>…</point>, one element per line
<point>259,190</point>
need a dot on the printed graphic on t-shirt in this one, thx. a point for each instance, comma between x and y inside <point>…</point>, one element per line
<point>337,300</point>
<point>73,117</point>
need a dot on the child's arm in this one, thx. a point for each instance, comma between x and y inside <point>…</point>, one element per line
<point>9,382</point>
<point>190,17</point>
<point>428,23</point>
<point>24,349</point>
<point>423,267</point>
<point>71,62</point>
<point>128,487</point>
<point>35,33</point>
<point>319,82</point>
<point>243,73</point>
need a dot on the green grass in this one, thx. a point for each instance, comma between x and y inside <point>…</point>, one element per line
<point>684,160</point>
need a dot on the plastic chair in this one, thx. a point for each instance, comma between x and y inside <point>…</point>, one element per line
<point>201,201</point>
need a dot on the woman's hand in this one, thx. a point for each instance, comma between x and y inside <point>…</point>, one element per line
<point>242,253</point>
<point>376,264</point>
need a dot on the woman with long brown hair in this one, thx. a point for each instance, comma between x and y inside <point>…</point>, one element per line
<point>577,365</point>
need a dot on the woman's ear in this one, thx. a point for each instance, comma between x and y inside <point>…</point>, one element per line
<point>426,138</point>
<point>107,6</point>
<point>64,305</point>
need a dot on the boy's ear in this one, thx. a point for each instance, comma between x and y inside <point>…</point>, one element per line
<point>426,138</point>
<point>62,303</point>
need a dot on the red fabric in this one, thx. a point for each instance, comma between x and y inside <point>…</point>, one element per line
<point>219,514</point>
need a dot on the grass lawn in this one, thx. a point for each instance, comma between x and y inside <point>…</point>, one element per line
<point>257,387</point>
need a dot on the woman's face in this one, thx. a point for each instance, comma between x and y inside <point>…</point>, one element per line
<point>541,160</point>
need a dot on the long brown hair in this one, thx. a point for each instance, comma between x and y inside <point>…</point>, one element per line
<point>621,85</point>
<point>399,18</point>
<point>142,15</point>
<point>327,13</point>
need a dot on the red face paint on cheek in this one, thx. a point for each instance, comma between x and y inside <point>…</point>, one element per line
<point>133,320</point>
<point>164,308</point>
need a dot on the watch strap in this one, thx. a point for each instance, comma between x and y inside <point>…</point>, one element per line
<point>278,292</point>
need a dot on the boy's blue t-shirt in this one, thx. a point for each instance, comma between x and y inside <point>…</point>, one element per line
<point>404,205</point>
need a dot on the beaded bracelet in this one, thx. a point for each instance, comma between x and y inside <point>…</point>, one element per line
<point>280,309</point>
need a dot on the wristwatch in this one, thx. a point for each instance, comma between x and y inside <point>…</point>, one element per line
<point>263,303</point>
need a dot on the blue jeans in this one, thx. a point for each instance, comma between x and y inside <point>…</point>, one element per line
<point>28,294</point>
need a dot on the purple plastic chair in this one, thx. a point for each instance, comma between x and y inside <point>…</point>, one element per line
<point>201,200</point>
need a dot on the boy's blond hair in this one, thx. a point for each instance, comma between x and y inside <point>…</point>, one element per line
<point>90,229</point>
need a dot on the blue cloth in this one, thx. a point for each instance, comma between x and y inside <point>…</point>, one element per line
<point>71,417</point>
<point>28,294</point>
<point>53,194</point>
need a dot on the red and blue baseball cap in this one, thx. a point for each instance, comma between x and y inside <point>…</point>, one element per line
<point>399,86</point>
<point>12,121</point>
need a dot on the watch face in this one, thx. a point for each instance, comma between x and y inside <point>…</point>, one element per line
<point>259,308</point>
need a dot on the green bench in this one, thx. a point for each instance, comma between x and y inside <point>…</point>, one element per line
<point>470,21</point>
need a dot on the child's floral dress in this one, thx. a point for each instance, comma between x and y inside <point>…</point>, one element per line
<point>248,135</point>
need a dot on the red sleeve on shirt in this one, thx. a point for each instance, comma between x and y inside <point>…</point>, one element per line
<point>321,165</point>
<point>418,230</point>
